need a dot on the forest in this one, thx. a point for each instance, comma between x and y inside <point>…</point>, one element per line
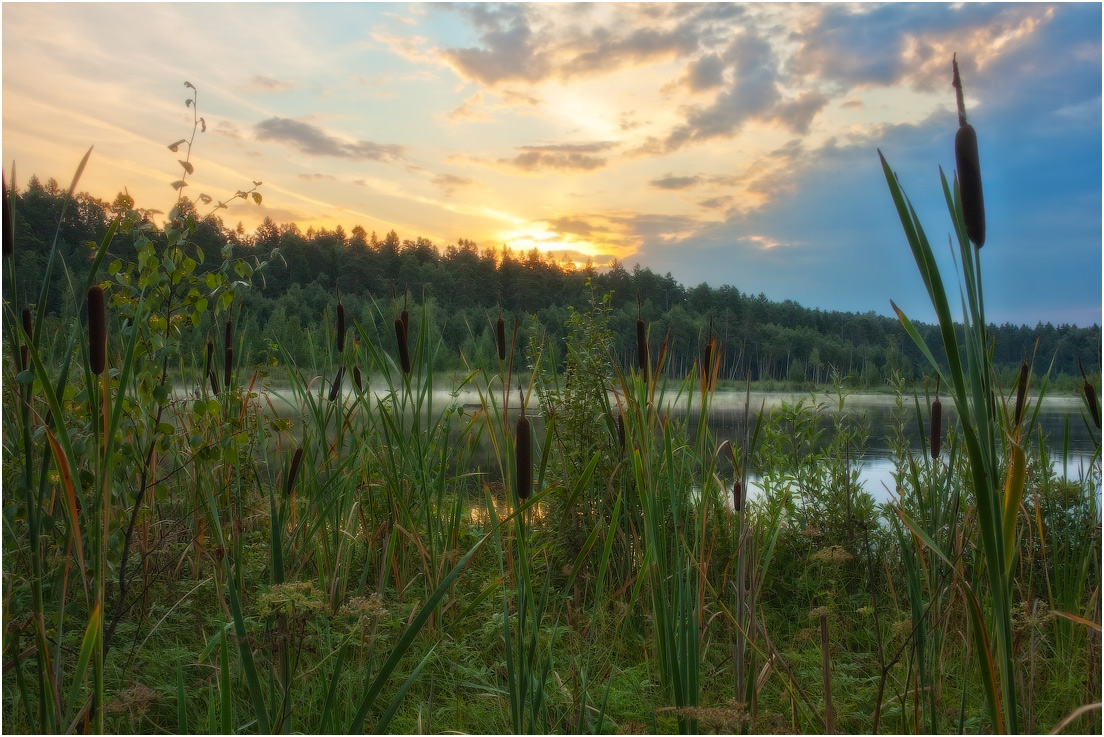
<point>465,289</point>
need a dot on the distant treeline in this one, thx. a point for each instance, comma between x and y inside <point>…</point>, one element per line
<point>465,289</point>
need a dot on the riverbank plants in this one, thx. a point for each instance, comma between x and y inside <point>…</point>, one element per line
<point>552,540</point>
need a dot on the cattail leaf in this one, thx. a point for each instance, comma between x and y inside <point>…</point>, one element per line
<point>936,426</point>
<point>228,366</point>
<point>97,330</point>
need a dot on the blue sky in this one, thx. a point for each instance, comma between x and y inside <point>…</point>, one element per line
<point>725,143</point>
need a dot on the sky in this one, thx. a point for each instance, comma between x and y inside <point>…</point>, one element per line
<point>723,143</point>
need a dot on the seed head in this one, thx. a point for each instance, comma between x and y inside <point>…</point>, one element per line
<point>9,224</point>
<point>969,168</point>
<point>340,328</point>
<point>229,334</point>
<point>500,338</point>
<point>28,328</point>
<point>335,388</point>
<point>293,470</point>
<point>97,330</point>
<point>1021,393</point>
<point>936,425</point>
<point>357,378</point>
<point>642,347</point>
<point>737,495</point>
<point>404,348</point>
<point>524,453</point>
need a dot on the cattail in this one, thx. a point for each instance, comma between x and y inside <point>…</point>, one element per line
<point>500,337</point>
<point>9,224</point>
<point>229,366</point>
<point>1090,396</point>
<point>405,317</point>
<point>24,351</point>
<point>404,348</point>
<point>340,328</point>
<point>737,496</point>
<point>335,389</point>
<point>229,335</point>
<point>97,330</point>
<point>213,378</point>
<point>524,448</point>
<point>293,470</point>
<point>210,357</point>
<point>357,378</point>
<point>1021,393</point>
<point>936,425</point>
<point>642,347</point>
<point>707,365</point>
<point>969,169</point>
<point>621,432</point>
<point>1094,408</point>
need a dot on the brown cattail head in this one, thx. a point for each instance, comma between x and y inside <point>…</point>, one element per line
<point>228,366</point>
<point>969,180</point>
<point>9,224</point>
<point>340,328</point>
<point>229,335</point>
<point>936,425</point>
<point>737,496</point>
<point>1090,395</point>
<point>405,317</point>
<point>293,470</point>
<point>357,378</point>
<point>404,348</point>
<point>642,346</point>
<point>621,432</point>
<point>335,388</point>
<point>28,329</point>
<point>213,378</point>
<point>209,362</point>
<point>1094,407</point>
<point>524,451</point>
<point>97,330</point>
<point>707,365</point>
<point>1021,393</point>
<point>500,338</point>
<point>969,168</point>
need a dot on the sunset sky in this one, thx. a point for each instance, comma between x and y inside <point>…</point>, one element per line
<point>724,143</point>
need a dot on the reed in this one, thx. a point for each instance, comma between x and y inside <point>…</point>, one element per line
<point>9,223</point>
<point>969,169</point>
<point>97,330</point>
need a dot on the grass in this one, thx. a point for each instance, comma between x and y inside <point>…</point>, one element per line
<point>194,561</point>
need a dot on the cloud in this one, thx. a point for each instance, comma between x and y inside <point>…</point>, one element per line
<point>469,109</point>
<point>312,140</point>
<point>673,182</point>
<point>449,183</point>
<point>716,203</point>
<point>269,84</point>
<point>509,51</point>
<point>579,157</point>
<point>752,93</point>
<point>316,177</point>
<point>705,73</point>
<point>798,114</point>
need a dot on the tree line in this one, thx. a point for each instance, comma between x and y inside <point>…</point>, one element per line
<point>464,289</point>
